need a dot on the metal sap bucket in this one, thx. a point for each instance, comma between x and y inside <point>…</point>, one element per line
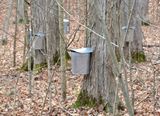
<point>66,25</point>
<point>80,60</point>
<point>130,34</point>
<point>39,41</point>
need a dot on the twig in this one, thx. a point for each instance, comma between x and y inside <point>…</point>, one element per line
<point>116,99</point>
<point>124,86</point>
<point>149,46</point>
<point>15,90</point>
<point>143,100</point>
<point>154,90</point>
<point>74,35</point>
<point>48,90</point>
<point>101,36</point>
<point>68,112</point>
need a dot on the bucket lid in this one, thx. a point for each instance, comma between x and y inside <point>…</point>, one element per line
<point>82,50</point>
<point>40,34</point>
<point>65,20</point>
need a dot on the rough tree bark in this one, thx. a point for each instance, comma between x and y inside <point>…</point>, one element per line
<point>120,16</point>
<point>136,38</point>
<point>99,84</point>
<point>21,10</point>
<point>39,25</point>
<point>143,9</point>
<point>6,22</point>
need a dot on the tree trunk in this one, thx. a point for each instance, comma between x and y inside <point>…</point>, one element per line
<point>135,38</point>
<point>6,22</point>
<point>143,9</point>
<point>120,17</point>
<point>39,25</point>
<point>99,84</point>
<point>21,10</point>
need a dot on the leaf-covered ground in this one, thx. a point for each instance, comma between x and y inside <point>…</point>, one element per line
<point>15,99</point>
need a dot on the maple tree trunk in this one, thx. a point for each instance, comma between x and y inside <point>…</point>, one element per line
<point>136,47</point>
<point>120,21</point>
<point>6,22</point>
<point>99,85</point>
<point>143,9</point>
<point>21,10</point>
<point>39,25</point>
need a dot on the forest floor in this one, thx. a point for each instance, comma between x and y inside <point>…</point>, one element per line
<point>14,95</point>
<point>15,99</point>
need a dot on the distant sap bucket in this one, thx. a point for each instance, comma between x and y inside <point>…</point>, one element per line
<point>39,41</point>
<point>66,25</point>
<point>40,34</point>
<point>130,34</point>
<point>80,60</point>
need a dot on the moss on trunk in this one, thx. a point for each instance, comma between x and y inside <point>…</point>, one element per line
<point>37,68</point>
<point>138,57</point>
<point>84,100</point>
<point>87,101</point>
<point>4,41</point>
<point>56,58</point>
<point>68,57</point>
<point>145,23</point>
<point>24,66</point>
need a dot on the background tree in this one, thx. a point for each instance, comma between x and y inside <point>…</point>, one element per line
<point>119,24</point>
<point>143,9</point>
<point>39,25</point>
<point>6,22</point>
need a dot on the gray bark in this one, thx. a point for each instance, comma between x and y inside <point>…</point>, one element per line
<point>100,82</point>
<point>6,22</point>
<point>136,42</point>
<point>20,10</point>
<point>39,25</point>
<point>120,20</point>
<point>143,9</point>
